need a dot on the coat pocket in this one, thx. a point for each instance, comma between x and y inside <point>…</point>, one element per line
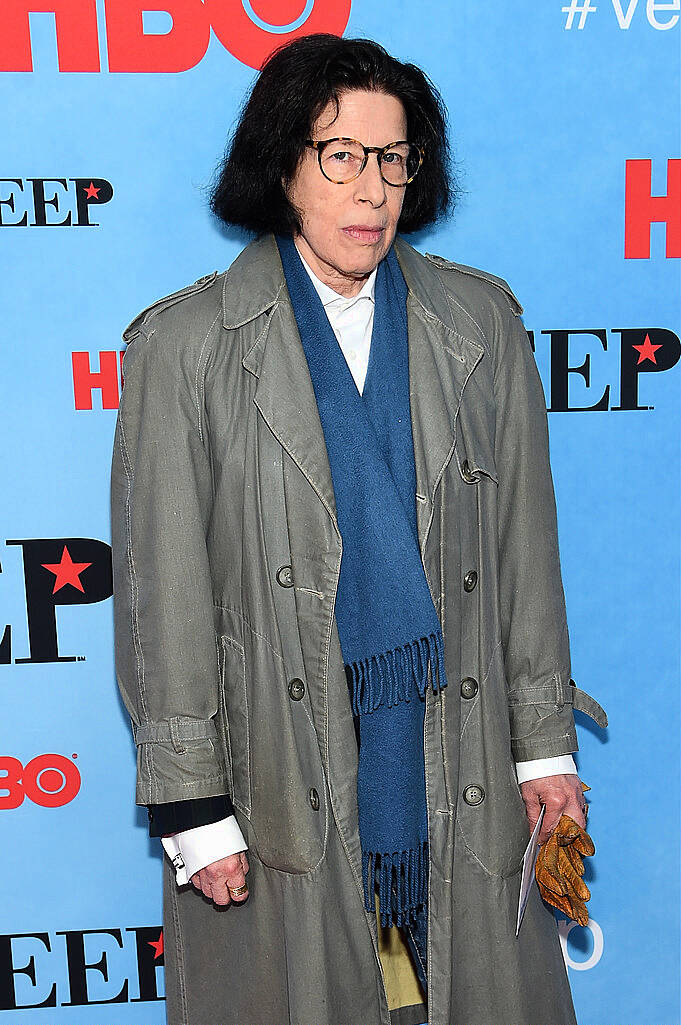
<point>236,721</point>
<point>491,811</point>
<point>475,426</point>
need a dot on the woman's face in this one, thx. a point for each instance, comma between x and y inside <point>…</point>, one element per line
<point>332,216</point>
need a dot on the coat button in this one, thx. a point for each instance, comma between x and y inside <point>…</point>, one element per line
<point>469,687</point>
<point>285,576</point>
<point>296,689</point>
<point>470,580</point>
<point>314,798</point>
<point>467,473</point>
<point>474,794</point>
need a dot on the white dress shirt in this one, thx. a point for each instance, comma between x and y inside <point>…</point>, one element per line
<point>352,320</point>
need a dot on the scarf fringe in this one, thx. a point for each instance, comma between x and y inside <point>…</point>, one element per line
<point>402,879</point>
<point>388,677</point>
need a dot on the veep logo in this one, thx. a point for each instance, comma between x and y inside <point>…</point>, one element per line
<point>86,967</point>
<point>249,29</point>
<point>49,780</point>
<point>641,209</point>
<point>57,571</point>
<point>643,351</point>
<point>51,202</point>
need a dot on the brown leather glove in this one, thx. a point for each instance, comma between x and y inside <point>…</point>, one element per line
<point>559,868</point>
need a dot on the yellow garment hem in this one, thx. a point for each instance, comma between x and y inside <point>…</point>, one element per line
<point>401,981</point>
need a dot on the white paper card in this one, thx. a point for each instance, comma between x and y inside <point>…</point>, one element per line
<point>529,860</point>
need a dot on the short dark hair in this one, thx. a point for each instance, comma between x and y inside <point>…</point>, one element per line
<point>292,89</point>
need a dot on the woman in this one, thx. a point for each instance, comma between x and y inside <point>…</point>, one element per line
<point>339,609</point>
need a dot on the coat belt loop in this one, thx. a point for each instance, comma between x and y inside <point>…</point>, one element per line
<point>178,746</point>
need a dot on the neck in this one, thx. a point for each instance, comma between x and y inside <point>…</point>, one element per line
<point>345,284</point>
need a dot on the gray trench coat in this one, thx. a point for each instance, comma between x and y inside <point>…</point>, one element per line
<point>226,553</point>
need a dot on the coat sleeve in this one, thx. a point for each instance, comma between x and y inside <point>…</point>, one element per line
<point>533,617</point>
<point>166,653</point>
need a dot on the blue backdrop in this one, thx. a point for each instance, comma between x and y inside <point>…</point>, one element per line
<point>564,124</point>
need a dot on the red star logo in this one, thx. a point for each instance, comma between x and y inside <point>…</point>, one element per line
<point>157,945</point>
<point>91,192</point>
<point>647,351</point>
<point>67,571</point>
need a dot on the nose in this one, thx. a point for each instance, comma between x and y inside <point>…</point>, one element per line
<point>370,185</point>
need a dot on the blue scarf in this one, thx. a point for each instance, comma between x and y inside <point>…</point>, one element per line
<point>388,627</point>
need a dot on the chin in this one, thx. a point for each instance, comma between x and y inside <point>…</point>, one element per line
<point>364,254</point>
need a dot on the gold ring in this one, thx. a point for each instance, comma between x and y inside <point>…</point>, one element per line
<point>237,890</point>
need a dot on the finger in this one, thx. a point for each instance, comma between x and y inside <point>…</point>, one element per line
<point>220,893</point>
<point>575,803</point>
<point>560,793</point>
<point>575,809</point>
<point>551,820</point>
<point>205,884</point>
<point>220,873</point>
<point>225,875</point>
<point>244,861</point>
<point>532,806</point>
<point>554,809</point>
<point>235,879</point>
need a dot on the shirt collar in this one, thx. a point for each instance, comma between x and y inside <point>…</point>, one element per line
<point>329,295</point>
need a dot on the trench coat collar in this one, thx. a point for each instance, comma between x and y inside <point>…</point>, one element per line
<point>441,359</point>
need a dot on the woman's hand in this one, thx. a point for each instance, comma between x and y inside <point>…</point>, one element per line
<point>215,879</point>
<point>562,794</point>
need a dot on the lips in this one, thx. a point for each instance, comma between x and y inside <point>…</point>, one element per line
<point>364,232</point>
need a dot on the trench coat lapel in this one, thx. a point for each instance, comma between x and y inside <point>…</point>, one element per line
<point>441,359</point>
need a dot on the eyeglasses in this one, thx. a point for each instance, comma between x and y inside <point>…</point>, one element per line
<point>341,160</point>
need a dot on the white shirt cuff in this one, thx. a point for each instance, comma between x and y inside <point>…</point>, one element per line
<point>193,849</point>
<point>538,767</point>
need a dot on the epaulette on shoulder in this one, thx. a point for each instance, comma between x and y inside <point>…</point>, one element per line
<point>135,325</point>
<point>440,261</point>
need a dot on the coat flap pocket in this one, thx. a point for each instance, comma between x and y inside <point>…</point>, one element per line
<point>474,445</point>
<point>471,466</point>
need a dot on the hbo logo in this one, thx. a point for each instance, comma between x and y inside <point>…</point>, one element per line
<point>564,930</point>
<point>49,780</point>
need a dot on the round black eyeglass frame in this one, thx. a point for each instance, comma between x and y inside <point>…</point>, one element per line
<point>379,150</point>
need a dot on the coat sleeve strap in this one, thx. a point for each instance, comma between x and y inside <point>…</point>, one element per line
<point>557,691</point>
<point>176,729</point>
<point>583,702</point>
